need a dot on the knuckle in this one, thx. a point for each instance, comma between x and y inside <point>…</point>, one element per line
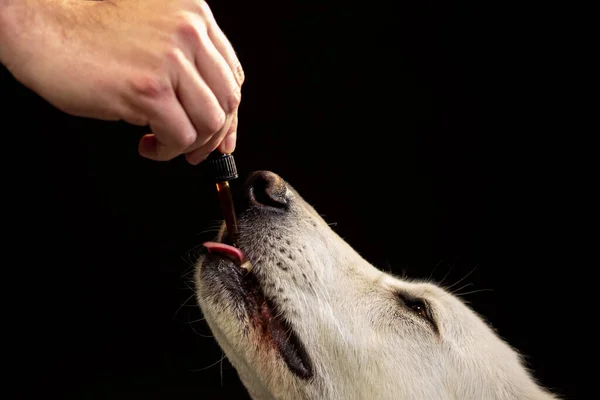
<point>175,55</point>
<point>187,29</point>
<point>233,99</point>
<point>153,85</point>
<point>204,10</point>
<point>184,141</point>
<point>216,121</point>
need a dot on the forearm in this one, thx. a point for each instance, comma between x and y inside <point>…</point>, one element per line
<point>24,23</point>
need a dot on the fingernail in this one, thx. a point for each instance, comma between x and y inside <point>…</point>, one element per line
<point>228,145</point>
<point>147,146</point>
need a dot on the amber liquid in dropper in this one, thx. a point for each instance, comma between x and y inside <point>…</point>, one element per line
<point>228,210</point>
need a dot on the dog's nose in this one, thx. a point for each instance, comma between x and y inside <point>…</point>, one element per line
<point>268,190</point>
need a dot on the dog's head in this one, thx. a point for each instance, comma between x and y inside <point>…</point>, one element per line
<point>314,320</point>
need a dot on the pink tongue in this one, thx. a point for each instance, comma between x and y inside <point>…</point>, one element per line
<point>226,250</point>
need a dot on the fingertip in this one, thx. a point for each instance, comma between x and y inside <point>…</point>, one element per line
<point>196,157</point>
<point>150,147</point>
<point>227,146</point>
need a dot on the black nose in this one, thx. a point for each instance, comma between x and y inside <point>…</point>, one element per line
<point>268,190</point>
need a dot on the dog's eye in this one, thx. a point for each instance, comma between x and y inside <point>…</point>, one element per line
<point>419,308</point>
<point>416,305</point>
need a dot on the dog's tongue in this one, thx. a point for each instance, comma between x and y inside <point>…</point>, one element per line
<point>231,252</point>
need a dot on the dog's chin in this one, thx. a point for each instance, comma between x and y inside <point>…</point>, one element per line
<point>228,282</point>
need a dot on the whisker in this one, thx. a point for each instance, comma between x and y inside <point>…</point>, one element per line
<point>474,291</point>
<point>200,334</point>
<point>463,278</point>
<point>221,368</point>
<point>447,273</point>
<point>389,268</point>
<point>212,365</point>
<point>215,229</point>
<point>404,273</point>
<point>214,226</point>
<point>194,248</point>
<point>434,268</point>
<point>189,272</point>
<point>183,304</point>
<point>461,288</point>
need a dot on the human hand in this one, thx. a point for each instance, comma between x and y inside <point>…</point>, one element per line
<point>162,63</point>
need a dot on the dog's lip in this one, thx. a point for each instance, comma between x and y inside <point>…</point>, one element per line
<point>263,312</point>
<point>233,253</point>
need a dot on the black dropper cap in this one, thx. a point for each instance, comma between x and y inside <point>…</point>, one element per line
<point>220,167</point>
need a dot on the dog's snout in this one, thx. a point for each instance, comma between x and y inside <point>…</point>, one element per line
<point>266,189</point>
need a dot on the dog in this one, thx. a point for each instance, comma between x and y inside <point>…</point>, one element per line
<point>313,320</point>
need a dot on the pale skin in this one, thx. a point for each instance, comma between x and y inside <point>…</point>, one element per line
<point>162,63</point>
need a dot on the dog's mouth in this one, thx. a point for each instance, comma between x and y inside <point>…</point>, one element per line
<point>270,325</point>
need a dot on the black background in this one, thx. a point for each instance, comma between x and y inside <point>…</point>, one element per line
<point>414,126</point>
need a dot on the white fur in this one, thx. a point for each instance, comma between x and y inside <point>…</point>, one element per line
<point>363,344</point>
